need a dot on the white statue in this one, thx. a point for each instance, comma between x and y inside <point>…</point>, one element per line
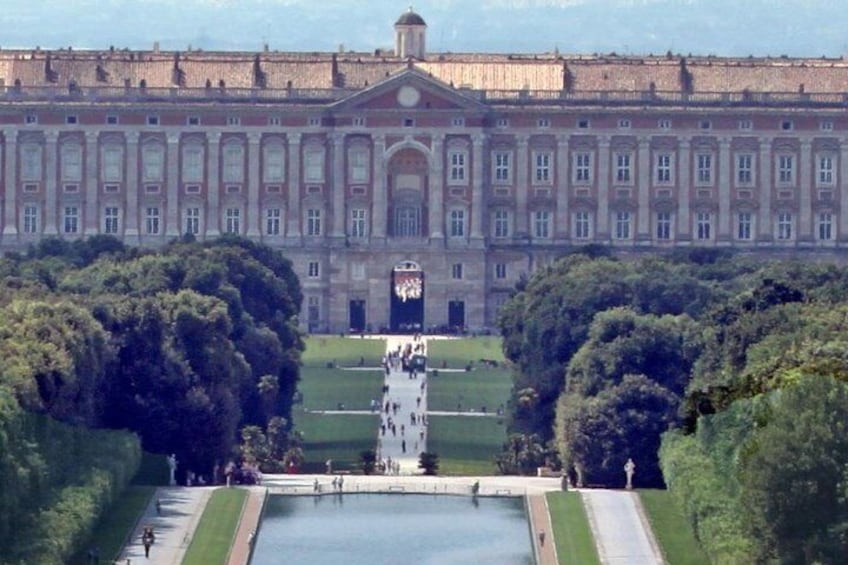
<point>629,470</point>
<point>172,466</point>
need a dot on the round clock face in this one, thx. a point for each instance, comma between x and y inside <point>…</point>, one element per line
<point>408,96</point>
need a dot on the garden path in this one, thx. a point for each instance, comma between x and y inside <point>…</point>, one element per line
<point>621,531</point>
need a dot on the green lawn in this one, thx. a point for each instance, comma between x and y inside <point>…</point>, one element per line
<point>459,352</point>
<point>340,437</point>
<point>466,445</point>
<point>115,526</point>
<point>671,529</point>
<point>469,390</point>
<point>217,528</point>
<point>345,351</point>
<point>323,388</point>
<point>573,537</point>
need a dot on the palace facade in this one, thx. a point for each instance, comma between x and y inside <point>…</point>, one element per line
<point>412,189</point>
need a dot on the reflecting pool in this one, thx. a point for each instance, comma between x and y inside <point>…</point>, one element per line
<point>394,529</point>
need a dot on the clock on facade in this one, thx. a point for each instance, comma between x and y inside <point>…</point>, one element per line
<point>408,96</point>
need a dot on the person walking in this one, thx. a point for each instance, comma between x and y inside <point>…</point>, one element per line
<point>147,539</point>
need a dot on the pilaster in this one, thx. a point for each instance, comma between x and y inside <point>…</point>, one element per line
<point>254,141</point>
<point>91,216</point>
<point>10,182</point>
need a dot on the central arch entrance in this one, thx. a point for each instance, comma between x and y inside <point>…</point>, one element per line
<point>407,298</point>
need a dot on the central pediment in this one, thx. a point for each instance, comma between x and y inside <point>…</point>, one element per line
<point>409,90</point>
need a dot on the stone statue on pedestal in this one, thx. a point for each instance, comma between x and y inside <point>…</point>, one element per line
<point>629,470</point>
<point>172,466</point>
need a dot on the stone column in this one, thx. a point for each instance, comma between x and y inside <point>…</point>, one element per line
<point>435,194</point>
<point>603,231</point>
<point>10,181</point>
<point>805,185</point>
<point>379,211</point>
<point>338,185</point>
<point>643,215</point>
<point>842,226</point>
<point>477,188</point>
<point>254,144</point>
<point>522,187</point>
<point>293,212</point>
<point>172,186</point>
<point>131,213</point>
<point>563,176</point>
<point>724,233</point>
<point>212,224</point>
<point>50,194</point>
<point>764,223</point>
<point>684,184</point>
<point>91,218</point>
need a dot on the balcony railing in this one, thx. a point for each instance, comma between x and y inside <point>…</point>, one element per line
<point>495,97</point>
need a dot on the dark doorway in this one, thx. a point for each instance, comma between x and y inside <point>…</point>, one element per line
<point>456,315</point>
<point>407,294</point>
<point>357,316</point>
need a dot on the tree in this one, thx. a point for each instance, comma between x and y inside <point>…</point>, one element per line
<point>522,454</point>
<point>429,463</point>
<point>368,461</point>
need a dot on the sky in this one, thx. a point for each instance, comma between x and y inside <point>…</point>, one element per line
<point>808,28</point>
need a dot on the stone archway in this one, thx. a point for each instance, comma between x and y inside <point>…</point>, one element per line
<point>407,173</point>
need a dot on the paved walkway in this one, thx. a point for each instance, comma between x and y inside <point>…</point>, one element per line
<point>173,526</point>
<point>542,530</point>
<point>248,526</point>
<point>405,434</point>
<point>622,534</point>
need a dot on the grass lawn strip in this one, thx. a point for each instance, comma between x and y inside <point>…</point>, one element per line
<point>215,532</point>
<point>459,352</point>
<point>340,437</point>
<point>466,445</point>
<point>324,389</point>
<point>117,524</point>
<point>469,390</point>
<point>344,351</point>
<point>671,529</point>
<point>572,535</point>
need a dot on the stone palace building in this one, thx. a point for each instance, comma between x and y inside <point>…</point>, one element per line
<point>412,189</point>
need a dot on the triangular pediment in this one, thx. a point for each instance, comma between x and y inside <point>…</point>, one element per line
<point>409,89</point>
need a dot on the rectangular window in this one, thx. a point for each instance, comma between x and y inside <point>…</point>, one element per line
<point>744,169</point>
<point>503,173</point>
<point>744,226</point>
<point>31,119</point>
<point>458,122</point>
<point>30,216</point>
<point>500,271</point>
<point>233,120</point>
<point>153,162</point>
<point>71,156</point>
<point>457,223</point>
<point>582,168</point>
<point>542,224</point>
<point>31,162</point>
<point>543,168</point>
<point>501,223</point>
<point>233,163</point>
<point>153,120</point>
<point>663,225</point>
<point>71,220</point>
<point>72,119</point>
<point>746,125</point>
<point>622,225</point>
<point>313,222</point>
<point>192,163</point>
<point>622,167</point>
<point>703,225</point>
<point>357,222</point>
<point>582,225</point>
<point>192,221</point>
<point>825,175</point>
<point>358,164</point>
<point>313,270</point>
<point>111,220</point>
<point>357,271</point>
<point>112,120</point>
<point>314,164</point>
<point>232,220</point>
<point>704,168</point>
<point>358,121</point>
<point>664,124</point>
<point>151,221</point>
<point>457,160</point>
<point>624,124</point>
<point>273,163</point>
<point>663,168</point>
<point>784,226</point>
<point>193,120</point>
<point>456,271</point>
<point>272,221</point>
<point>543,123</point>
<point>825,230</point>
<point>113,161</point>
<point>784,169</point>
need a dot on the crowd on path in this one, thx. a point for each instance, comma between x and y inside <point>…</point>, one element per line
<point>400,441</point>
